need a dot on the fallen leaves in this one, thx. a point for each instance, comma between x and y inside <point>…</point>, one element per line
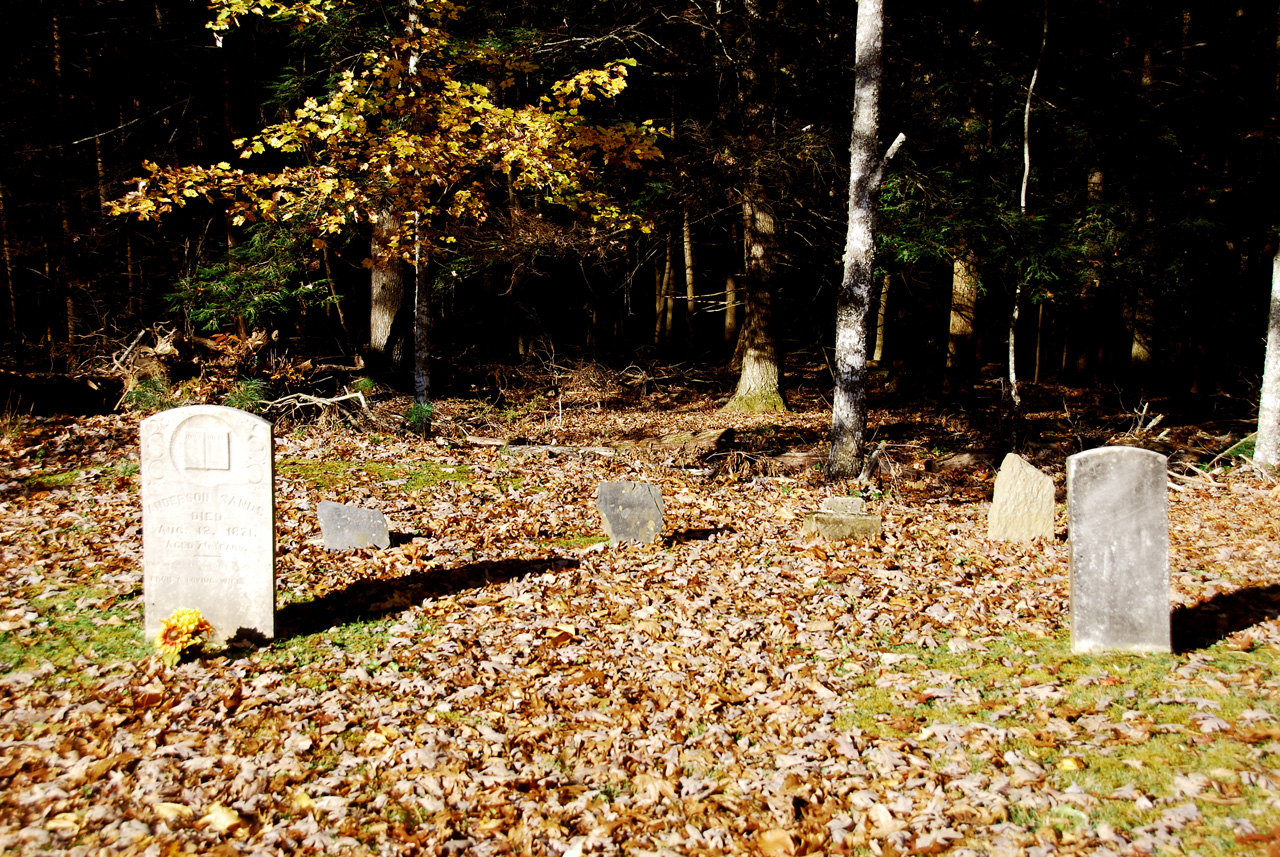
<point>488,686</point>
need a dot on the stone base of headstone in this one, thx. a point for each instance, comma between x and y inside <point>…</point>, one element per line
<point>347,527</point>
<point>1022,507</point>
<point>835,527</point>
<point>630,511</point>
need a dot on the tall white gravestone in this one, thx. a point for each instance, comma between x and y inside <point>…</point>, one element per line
<point>208,519</point>
<point>1118,521</point>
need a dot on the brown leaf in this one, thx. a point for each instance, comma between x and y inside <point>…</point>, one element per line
<point>775,843</point>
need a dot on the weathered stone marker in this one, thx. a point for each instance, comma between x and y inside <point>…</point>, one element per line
<point>208,519</point>
<point>1022,508</point>
<point>840,519</point>
<point>1118,522</point>
<point>345,527</point>
<point>631,511</point>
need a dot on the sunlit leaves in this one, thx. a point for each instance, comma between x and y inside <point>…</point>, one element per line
<point>407,131</point>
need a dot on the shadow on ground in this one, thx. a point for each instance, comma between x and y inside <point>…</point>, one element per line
<point>370,600</point>
<point>1201,625</point>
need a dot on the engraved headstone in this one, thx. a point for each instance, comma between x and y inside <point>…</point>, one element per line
<point>631,511</point>
<point>208,519</point>
<point>1118,523</point>
<point>1022,508</point>
<point>345,527</point>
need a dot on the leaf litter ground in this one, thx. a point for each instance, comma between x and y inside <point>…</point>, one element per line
<point>500,681</point>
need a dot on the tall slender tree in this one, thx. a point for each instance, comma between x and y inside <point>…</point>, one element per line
<point>866,169</point>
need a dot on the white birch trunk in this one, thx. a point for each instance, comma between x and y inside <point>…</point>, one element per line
<point>1022,203</point>
<point>1266,453</point>
<point>849,405</point>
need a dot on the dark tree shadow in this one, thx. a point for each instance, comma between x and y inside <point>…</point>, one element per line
<point>1201,625</point>
<point>373,599</point>
<point>694,534</point>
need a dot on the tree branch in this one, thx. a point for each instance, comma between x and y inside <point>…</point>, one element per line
<point>884,162</point>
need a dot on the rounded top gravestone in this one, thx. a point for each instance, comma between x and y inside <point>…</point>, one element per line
<point>208,519</point>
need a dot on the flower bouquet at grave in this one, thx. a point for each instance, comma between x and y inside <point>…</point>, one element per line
<point>184,629</point>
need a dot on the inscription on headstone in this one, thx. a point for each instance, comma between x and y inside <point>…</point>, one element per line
<point>1118,522</point>
<point>631,511</point>
<point>1022,508</point>
<point>208,519</point>
<point>345,527</point>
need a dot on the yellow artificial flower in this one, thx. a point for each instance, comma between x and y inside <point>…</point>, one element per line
<point>182,630</point>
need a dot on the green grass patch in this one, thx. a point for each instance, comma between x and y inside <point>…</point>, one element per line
<point>331,475</point>
<point>574,542</point>
<point>79,622</point>
<point>1128,724</point>
<point>52,479</point>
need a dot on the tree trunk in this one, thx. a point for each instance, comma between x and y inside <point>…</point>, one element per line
<point>849,405</point>
<point>421,341</point>
<point>386,290</point>
<point>669,294</point>
<point>730,309</point>
<point>1266,452</point>
<point>1022,204</point>
<point>961,355</point>
<point>881,315</point>
<point>335,308</point>
<point>759,389</point>
<point>1039,340</point>
<point>6,258</point>
<point>1141,317</point>
<point>690,295</point>
<point>662,297</point>
<point>61,279</point>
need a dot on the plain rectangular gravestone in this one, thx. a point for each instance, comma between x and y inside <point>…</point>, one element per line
<point>344,527</point>
<point>630,511</point>
<point>1118,524</point>
<point>208,519</point>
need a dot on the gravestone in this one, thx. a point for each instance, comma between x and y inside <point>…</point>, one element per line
<point>345,527</point>
<point>631,511</point>
<point>208,519</point>
<point>1118,523</point>
<point>844,505</point>
<point>1022,507</point>
<point>840,519</point>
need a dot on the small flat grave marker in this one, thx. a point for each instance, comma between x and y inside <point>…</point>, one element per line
<point>631,511</point>
<point>1022,508</point>
<point>345,527</point>
<point>1118,520</point>
<point>208,519</point>
<point>841,519</point>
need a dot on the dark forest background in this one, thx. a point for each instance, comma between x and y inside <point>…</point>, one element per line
<point>1144,254</point>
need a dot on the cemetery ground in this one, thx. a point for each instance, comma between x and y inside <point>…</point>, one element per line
<point>501,681</point>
